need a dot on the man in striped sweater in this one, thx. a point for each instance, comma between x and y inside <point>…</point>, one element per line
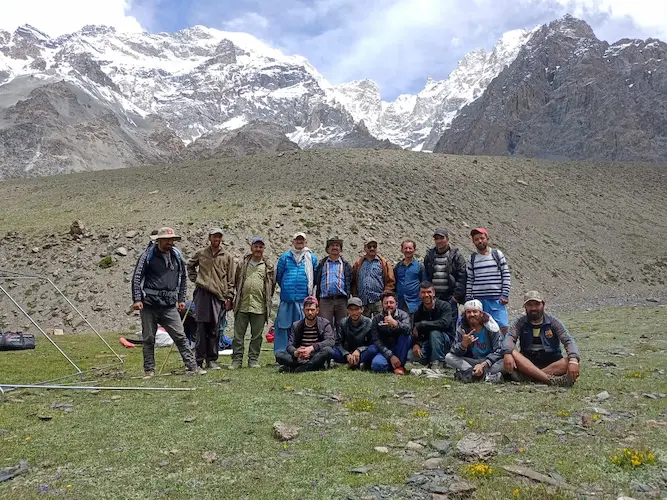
<point>489,278</point>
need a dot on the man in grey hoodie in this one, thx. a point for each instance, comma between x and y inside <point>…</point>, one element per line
<point>478,349</point>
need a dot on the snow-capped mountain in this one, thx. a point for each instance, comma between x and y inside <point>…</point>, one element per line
<point>149,95</point>
<point>417,121</point>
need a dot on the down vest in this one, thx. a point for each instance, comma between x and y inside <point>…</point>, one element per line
<point>292,277</point>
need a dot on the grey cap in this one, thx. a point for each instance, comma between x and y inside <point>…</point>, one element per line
<point>257,239</point>
<point>354,301</point>
<point>532,295</point>
<point>441,232</point>
<point>215,230</point>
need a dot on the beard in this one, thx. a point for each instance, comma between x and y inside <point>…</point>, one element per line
<point>535,315</point>
<point>482,246</point>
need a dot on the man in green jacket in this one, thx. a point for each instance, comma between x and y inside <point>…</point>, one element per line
<point>255,284</point>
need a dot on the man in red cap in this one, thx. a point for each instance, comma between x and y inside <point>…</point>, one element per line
<point>489,278</point>
<point>311,341</point>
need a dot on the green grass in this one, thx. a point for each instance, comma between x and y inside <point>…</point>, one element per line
<point>137,445</point>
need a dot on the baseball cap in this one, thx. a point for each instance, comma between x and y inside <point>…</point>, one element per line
<point>441,232</point>
<point>311,300</point>
<point>532,295</point>
<point>479,230</point>
<point>354,301</point>
<point>473,305</point>
<point>257,239</point>
<point>215,230</point>
<point>299,235</point>
<point>372,239</point>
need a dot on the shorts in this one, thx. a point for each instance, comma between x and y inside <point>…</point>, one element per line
<point>542,359</point>
<point>496,310</point>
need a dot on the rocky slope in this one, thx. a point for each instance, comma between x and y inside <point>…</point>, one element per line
<point>570,95</point>
<point>586,234</point>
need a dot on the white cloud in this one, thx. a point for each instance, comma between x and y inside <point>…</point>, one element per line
<point>250,22</point>
<point>648,15</point>
<point>57,17</point>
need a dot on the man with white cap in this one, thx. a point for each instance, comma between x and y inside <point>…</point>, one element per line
<point>212,270</point>
<point>255,284</point>
<point>372,275</point>
<point>478,349</point>
<point>295,273</point>
<point>489,278</point>
<point>159,284</point>
<point>540,337</point>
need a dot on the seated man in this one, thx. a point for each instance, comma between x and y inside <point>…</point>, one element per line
<point>540,337</point>
<point>391,335</point>
<point>310,341</point>
<point>354,343</point>
<point>433,332</point>
<point>478,349</point>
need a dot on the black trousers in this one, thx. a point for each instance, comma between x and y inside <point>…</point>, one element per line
<point>316,361</point>
<point>206,345</point>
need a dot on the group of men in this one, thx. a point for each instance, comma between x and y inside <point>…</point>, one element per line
<point>367,314</point>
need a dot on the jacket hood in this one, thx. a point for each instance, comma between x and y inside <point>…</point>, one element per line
<point>489,323</point>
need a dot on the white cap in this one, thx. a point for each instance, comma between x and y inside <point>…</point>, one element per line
<point>473,305</point>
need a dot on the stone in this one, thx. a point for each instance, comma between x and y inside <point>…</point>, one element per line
<point>209,456</point>
<point>360,470</point>
<point>189,420</point>
<point>460,487</point>
<point>381,449</point>
<point>522,182</point>
<point>433,463</point>
<point>131,234</point>
<point>122,251</point>
<point>164,463</point>
<point>414,446</point>
<point>475,447</point>
<point>58,331</point>
<point>77,228</point>
<point>603,396</point>
<point>285,432</point>
<point>442,446</point>
<point>35,250</point>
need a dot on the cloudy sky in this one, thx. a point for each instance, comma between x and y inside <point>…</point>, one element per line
<point>397,43</point>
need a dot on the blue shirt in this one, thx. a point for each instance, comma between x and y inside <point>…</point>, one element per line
<point>371,281</point>
<point>481,348</point>
<point>408,279</point>
<point>333,279</point>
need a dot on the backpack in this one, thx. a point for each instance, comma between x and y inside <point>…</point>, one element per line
<point>151,252</point>
<point>496,256</point>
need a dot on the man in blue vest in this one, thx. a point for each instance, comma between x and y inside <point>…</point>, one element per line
<point>540,337</point>
<point>159,284</point>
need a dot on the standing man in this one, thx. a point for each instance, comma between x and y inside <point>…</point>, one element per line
<point>489,278</point>
<point>409,273</point>
<point>433,331</point>
<point>333,279</point>
<point>212,270</point>
<point>446,269</point>
<point>478,350</point>
<point>354,342</point>
<point>540,337</point>
<point>372,275</point>
<point>310,344</point>
<point>159,284</point>
<point>295,273</point>
<point>391,335</point>
<point>255,284</point>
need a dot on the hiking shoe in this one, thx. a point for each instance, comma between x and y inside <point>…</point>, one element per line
<point>284,369</point>
<point>149,374</point>
<point>399,371</point>
<point>235,365</point>
<point>254,364</point>
<point>493,378</point>
<point>517,376</point>
<point>437,365</point>
<point>561,381</point>
<point>464,376</point>
<point>212,365</point>
<point>195,371</point>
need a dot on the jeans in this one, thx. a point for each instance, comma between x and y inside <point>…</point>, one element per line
<point>464,363</point>
<point>170,320</point>
<point>316,361</point>
<point>366,355</point>
<point>241,321</point>
<point>400,349</point>
<point>435,348</point>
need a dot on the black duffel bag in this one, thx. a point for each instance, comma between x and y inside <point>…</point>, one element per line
<point>16,341</point>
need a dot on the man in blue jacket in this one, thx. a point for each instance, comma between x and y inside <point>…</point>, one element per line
<point>295,273</point>
<point>540,337</point>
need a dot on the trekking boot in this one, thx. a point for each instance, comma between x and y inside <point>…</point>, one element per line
<point>235,365</point>
<point>493,378</point>
<point>464,376</point>
<point>149,374</point>
<point>560,381</point>
<point>254,364</point>
<point>212,365</point>
<point>284,369</point>
<point>195,371</point>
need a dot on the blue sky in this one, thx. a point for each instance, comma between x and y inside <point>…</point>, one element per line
<point>397,43</point>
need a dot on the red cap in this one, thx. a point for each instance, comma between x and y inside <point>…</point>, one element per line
<point>479,230</point>
<point>311,300</point>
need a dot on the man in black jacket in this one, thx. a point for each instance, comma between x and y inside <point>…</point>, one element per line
<point>391,334</point>
<point>354,343</point>
<point>433,330</point>
<point>446,269</point>
<point>310,343</point>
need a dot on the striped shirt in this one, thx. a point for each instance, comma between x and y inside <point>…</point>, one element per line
<point>333,279</point>
<point>310,335</point>
<point>371,281</point>
<point>486,281</point>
